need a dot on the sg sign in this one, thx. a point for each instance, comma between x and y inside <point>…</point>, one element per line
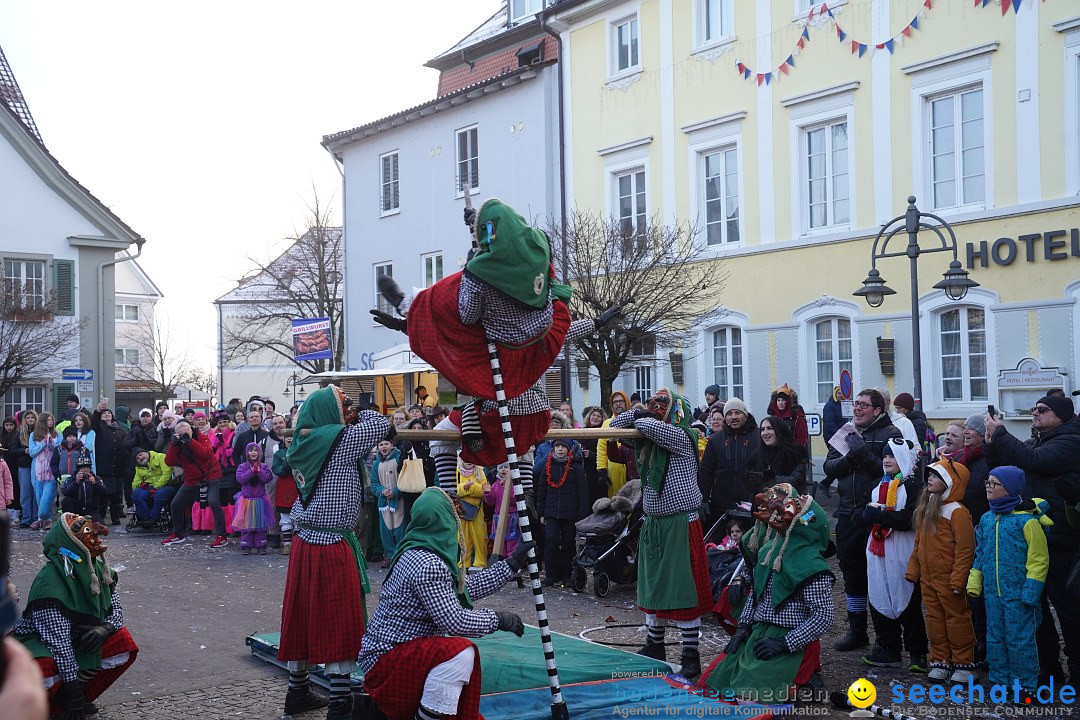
<point>367,361</point>
<point>813,424</point>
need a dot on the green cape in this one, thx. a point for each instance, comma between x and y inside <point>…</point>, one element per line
<point>799,561</point>
<point>434,527</point>
<point>318,426</point>
<point>514,257</point>
<point>652,459</point>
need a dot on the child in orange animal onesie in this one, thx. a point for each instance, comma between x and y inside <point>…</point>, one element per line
<point>941,561</point>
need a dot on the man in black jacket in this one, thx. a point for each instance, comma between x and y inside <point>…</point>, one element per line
<point>722,473</point>
<point>1051,462</point>
<point>857,473</point>
<point>111,458</point>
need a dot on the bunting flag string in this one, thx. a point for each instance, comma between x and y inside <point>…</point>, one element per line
<point>1005,5</point>
<point>773,74</point>
<point>861,48</point>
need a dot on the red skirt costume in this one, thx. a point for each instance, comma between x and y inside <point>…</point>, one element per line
<point>112,652</point>
<point>459,351</point>
<point>699,566</point>
<point>313,627</point>
<point>528,430</point>
<point>396,682</point>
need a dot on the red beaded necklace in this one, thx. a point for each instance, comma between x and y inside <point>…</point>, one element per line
<point>565,474</point>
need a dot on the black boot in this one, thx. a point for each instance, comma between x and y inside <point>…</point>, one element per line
<point>691,663</point>
<point>364,708</point>
<point>815,690</point>
<point>340,709</point>
<point>73,700</point>
<point>274,541</point>
<point>302,699</point>
<point>654,650</point>
<point>856,637</point>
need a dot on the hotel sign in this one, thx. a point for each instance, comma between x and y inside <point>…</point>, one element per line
<point>1050,245</point>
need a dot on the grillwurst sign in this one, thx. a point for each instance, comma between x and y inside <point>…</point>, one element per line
<point>312,340</point>
<point>1050,245</point>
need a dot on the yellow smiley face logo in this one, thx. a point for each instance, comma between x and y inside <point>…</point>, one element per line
<point>862,694</point>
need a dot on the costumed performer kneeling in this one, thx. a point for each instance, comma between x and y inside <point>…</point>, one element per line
<point>673,572</point>
<point>323,612</point>
<point>416,660</point>
<point>73,623</point>
<point>776,648</point>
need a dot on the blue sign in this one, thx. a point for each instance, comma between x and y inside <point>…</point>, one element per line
<point>76,374</point>
<point>813,424</point>
<point>312,339</point>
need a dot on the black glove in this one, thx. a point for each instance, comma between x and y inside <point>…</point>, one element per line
<point>93,637</point>
<point>736,591</point>
<point>766,648</point>
<point>856,444</point>
<point>740,636</point>
<point>390,321</point>
<point>73,699</point>
<point>520,558</point>
<point>602,476</point>
<point>510,622</point>
<point>608,315</point>
<point>872,514</point>
<point>470,218</point>
<point>391,433</point>
<point>642,414</point>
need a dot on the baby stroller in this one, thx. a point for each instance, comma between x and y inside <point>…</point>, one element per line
<point>607,542</point>
<point>725,565</point>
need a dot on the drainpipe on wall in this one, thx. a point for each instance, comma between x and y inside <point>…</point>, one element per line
<point>562,186</point>
<point>101,307</point>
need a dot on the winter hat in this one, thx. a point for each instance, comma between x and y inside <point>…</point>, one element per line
<point>70,430</point>
<point>949,472</point>
<point>218,417</point>
<point>146,411</point>
<point>1061,405</point>
<point>560,441</point>
<point>199,415</point>
<point>784,390</point>
<point>713,390</point>
<point>976,422</point>
<point>73,398</point>
<point>734,403</point>
<point>168,414</point>
<point>189,411</point>
<point>83,460</point>
<point>904,400</point>
<point>904,453</point>
<point>1011,477</point>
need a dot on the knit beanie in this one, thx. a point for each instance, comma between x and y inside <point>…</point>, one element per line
<point>905,401</point>
<point>1061,405</point>
<point>734,403</point>
<point>71,430</point>
<point>713,390</point>
<point>1011,477</point>
<point>976,422</point>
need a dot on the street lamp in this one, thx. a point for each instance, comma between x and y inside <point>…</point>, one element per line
<point>955,282</point>
<point>298,395</point>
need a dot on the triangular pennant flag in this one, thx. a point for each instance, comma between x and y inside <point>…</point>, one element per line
<point>1016,5</point>
<point>984,2</point>
<point>880,46</point>
<point>854,46</point>
<point>841,33</point>
<point>760,79</point>
<point>783,69</point>
<point>806,33</point>
<point>811,15</point>
<point>831,16</point>
<point>889,45</point>
<point>740,66</point>
<point>915,22</point>
<point>862,49</point>
<point>1004,6</point>
<point>768,78</point>
<point>790,60</point>
<point>746,72</point>
<point>906,32</point>
<point>928,5</point>
<point>800,44</point>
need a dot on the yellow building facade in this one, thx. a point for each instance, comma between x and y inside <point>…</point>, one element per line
<point>788,133</point>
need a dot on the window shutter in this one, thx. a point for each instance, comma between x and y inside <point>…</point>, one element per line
<point>60,395</point>
<point>64,287</point>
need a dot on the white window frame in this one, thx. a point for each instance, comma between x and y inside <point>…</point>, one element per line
<point>9,277</point>
<point>432,268</point>
<point>525,13</point>
<point>701,193</point>
<point>129,357</point>
<point>728,389</point>
<point>961,203</point>
<point>12,406</point>
<point>703,139</point>
<point>458,160</point>
<point>807,316</point>
<point>380,301</point>
<point>808,113</point>
<point>122,312</point>
<point>935,78</point>
<point>1072,110</point>
<point>393,186</point>
<point>614,71</point>
<point>635,174</point>
<point>644,374</point>
<point>832,171</point>
<point>931,305</point>
<point>726,33</point>
<point>964,334</point>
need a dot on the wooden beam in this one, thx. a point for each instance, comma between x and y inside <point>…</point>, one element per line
<point>608,433</point>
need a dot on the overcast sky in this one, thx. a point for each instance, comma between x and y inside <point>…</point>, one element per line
<point>199,123</point>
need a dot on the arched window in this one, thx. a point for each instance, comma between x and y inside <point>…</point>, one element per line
<point>962,337</point>
<point>832,354</point>
<point>728,373</point>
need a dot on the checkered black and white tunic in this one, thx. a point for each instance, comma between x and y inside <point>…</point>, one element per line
<point>505,319</point>
<point>680,492</point>
<point>418,601</point>
<point>51,622</point>
<point>809,613</point>
<point>336,502</point>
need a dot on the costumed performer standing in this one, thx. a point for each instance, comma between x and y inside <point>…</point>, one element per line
<point>73,623</point>
<point>776,647</point>
<point>673,573</point>
<point>323,612</point>
<point>416,659</point>
<point>507,294</point>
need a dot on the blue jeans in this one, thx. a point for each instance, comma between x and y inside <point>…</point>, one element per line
<point>161,497</point>
<point>27,497</point>
<point>45,494</point>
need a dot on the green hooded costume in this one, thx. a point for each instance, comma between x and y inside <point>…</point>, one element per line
<point>652,459</point>
<point>514,256</point>
<point>75,581</point>
<point>319,424</point>
<point>434,527</point>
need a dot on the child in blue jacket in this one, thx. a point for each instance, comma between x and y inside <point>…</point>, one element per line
<point>1009,571</point>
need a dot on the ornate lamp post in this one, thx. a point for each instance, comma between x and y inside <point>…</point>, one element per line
<point>955,283</point>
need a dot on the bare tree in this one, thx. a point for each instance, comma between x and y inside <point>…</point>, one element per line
<point>34,342</point>
<point>658,272</point>
<point>202,380</point>
<point>163,365</point>
<point>305,281</point>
